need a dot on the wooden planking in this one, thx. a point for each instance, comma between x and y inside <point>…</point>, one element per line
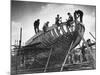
<point>36,37</point>
<point>33,38</point>
<point>46,39</point>
<point>43,40</point>
<point>41,45</point>
<point>50,37</point>
<point>63,42</point>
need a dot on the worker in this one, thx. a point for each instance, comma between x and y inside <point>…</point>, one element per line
<point>77,55</point>
<point>83,52</point>
<point>70,58</point>
<point>57,20</point>
<point>78,14</point>
<point>60,20</point>
<point>45,27</point>
<point>70,19</point>
<point>36,25</point>
<point>88,41</point>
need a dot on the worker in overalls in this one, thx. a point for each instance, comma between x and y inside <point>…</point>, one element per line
<point>36,25</point>
<point>45,27</point>
<point>69,21</point>
<point>57,23</point>
<point>57,19</point>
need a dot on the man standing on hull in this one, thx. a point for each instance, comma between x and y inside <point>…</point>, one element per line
<point>78,14</point>
<point>36,25</point>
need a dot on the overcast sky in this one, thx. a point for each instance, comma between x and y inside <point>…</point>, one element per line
<point>23,14</point>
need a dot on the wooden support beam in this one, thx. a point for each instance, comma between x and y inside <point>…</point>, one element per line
<point>48,60</point>
<point>66,57</point>
<point>92,35</point>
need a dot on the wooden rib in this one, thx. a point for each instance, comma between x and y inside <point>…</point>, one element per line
<point>54,33</point>
<point>58,31</point>
<point>62,29</point>
<point>67,28</point>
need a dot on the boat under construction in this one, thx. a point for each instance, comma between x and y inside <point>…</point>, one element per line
<point>49,51</point>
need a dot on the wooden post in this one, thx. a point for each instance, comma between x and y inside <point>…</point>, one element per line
<point>48,61</point>
<point>20,38</point>
<point>58,31</point>
<point>54,33</point>
<point>92,35</point>
<point>16,64</point>
<point>62,29</point>
<point>66,57</point>
<point>19,48</point>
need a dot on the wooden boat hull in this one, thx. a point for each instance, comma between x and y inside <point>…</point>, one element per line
<point>61,47</point>
<point>59,43</point>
